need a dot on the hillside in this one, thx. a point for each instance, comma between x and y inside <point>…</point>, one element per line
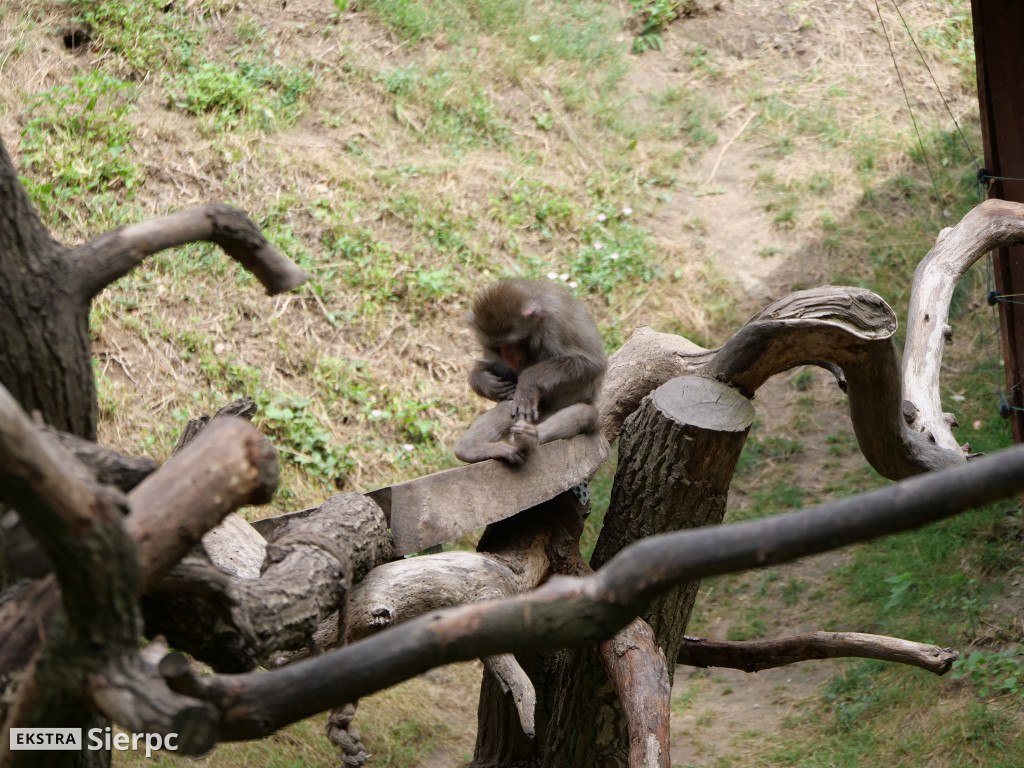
<point>406,152</point>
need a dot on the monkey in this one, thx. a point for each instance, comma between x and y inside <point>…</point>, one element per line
<point>543,365</point>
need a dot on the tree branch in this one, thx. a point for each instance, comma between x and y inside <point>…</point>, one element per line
<point>514,681</point>
<point>846,327</point>
<point>637,667</point>
<point>230,464</point>
<point>103,259</point>
<point>753,656</point>
<point>569,612</point>
<point>993,224</point>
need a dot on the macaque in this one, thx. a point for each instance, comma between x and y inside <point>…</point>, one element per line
<point>543,364</point>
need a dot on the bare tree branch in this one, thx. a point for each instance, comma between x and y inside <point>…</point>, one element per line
<point>637,668</point>
<point>514,681</point>
<point>58,504</point>
<point>755,655</point>
<point>993,224</point>
<point>571,612</point>
<point>854,329</point>
<point>230,464</point>
<point>103,259</point>
<point>846,327</point>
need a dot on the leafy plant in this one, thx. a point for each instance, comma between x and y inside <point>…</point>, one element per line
<point>78,138</point>
<point>264,95</point>
<point>302,438</point>
<point>993,672</point>
<point>654,15</point>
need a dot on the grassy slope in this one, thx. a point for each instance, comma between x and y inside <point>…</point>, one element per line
<point>403,152</point>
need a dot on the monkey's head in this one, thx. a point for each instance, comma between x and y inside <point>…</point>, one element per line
<point>507,320</point>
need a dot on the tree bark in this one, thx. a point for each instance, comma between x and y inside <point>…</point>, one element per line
<point>677,454</point>
<point>46,290</point>
<point>45,355</point>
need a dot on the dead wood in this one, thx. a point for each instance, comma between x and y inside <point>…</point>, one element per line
<point>92,656</point>
<point>228,466</point>
<point>516,683</point>
<point>442,506</point>
<point>896,415</point>
<point>243,408</point>
<point>574,612</point>
<point>104,465</point>
<point>97,263</point>
<point>312,561</point>
<point>755,655</point>
<point>991,225</point>
<point>637,667</point>
<point>677,454</point>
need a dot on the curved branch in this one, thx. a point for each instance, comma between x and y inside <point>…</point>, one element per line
<point>641,365</point>
<point>991,225</point>
<point>395,592</point>
<point>753,656</point>
<point>572,612</point>
<point>103,259</point>
<point>514,681</point>
<point>852,328</point>
<point>897,415</point>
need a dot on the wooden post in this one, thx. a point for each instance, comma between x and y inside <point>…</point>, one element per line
<point>999,49</point>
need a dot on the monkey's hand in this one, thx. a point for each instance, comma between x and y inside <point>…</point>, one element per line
<point>526,403</point>
<point>487,383</point>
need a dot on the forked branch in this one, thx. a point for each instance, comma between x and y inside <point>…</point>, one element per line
<point>896,415</point>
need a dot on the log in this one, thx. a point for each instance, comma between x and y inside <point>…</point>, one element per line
<point>234,623</point>
<point>568,612</point>
<point>677,454</point>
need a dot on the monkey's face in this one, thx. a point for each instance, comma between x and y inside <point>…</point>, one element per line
<point>505,322</point>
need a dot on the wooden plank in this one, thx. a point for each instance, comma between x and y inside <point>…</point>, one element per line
<point>999,49</point>
<point>443,506</point>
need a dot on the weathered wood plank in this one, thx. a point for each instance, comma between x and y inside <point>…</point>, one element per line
<point>443,506</point>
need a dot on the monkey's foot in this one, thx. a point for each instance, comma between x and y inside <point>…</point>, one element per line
<point>513,453</point>
<point>524,435</point>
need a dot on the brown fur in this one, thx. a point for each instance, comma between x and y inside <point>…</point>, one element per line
<point>543,358</point>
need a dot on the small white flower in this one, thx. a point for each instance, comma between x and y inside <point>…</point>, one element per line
<point>626,211</point>
<point>598,246</point>
<point>376,413</point>
<point>601,217</point>
<point>573,284</point>
<point>552,275</point>
<point>563,277</point>
<point>613,256</point>
<point>409,447</point>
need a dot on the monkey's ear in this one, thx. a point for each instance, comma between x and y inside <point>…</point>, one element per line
<point>533,311</point>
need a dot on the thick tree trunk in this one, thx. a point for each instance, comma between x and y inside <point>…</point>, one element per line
<point>44,354</point>
<point>677,454</point>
